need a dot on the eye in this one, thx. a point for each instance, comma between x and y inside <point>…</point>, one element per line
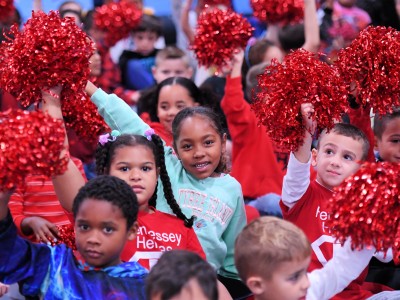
<point>108,230</point>
<point>164,107</point>
<point>395,141</point>
<point>329,151</point>
<point>124,169</point>
<point>83,227</point>
<point>181,106</point>
<point>186,147</point>
<point>146,168</point>
<point>348,157</point>
<point>295,277</point>
<point>209,142</point>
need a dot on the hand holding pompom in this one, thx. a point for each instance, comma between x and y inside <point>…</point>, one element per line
<point>49,51</point>
<point>284,87</point>
<point>370,66</point>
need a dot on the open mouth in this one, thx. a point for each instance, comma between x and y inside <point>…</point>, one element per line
<point>201,165</point>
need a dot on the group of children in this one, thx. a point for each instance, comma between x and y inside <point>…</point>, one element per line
<point>166,219</point>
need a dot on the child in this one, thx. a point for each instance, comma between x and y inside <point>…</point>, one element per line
<point>136,65</point>
<point>171,62</point>
<point>387,136</point>
<point>105,212</point>
<point>338,155</point>
<point>181,274</point>
<point>197,176</point>
<point>138,160</point>
<point>272,256</point>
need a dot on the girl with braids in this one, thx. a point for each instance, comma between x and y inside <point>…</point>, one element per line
<point>138,160</point>
<point>198,175</point>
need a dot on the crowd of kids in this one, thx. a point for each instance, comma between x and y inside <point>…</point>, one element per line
<point>186,196</point>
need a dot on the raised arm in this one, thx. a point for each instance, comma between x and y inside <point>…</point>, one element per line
<point>187,30</point>
<point>297,178</point>
<point>311,27</point>
<point>68,184</point>
<point>116,113</point>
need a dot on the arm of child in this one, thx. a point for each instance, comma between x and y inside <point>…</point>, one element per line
<point>19,259</point>
<point>345,266</point>
<point>68,184</point>
<point>116,113</point>
<point>311,27</point>
<point>297,178</point>
<point>3,289</point>
<point>187,30</point>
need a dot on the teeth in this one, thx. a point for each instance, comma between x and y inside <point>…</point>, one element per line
<point>201,165</point>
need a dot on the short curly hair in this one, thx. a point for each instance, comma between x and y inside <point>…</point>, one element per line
<point>111,189</point>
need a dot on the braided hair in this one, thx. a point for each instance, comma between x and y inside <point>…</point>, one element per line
<point>105,155</point>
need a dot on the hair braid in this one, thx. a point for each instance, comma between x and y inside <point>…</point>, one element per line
<point>169,195</point>
<point>102,158</point>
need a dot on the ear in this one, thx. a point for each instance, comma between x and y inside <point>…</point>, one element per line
<point>190,72</point>
<point>376,143</point>
<point>158,172</point>
<point>132,232</point>
<point>223,143</point>
<point>314,153</point>
<point>153,70</point>
<point>256,285</point>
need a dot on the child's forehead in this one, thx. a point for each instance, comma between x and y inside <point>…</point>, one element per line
<point>392,126</point>
<point>340,140</point>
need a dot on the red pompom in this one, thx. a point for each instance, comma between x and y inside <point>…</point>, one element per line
<point>49,51</point>
<point>301,78</point>
<point>30,144</point>
<point>66,235</point>
<point>7,9</point>
<point>219,33</point>
<point>117,20</point>
<point>81,115</point>
<point>278,11</point>
<point>370,64</point>
<point>366,207</point>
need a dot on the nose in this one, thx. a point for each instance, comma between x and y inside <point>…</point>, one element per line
<point>173,111</point>
<point>198,153</point>
<point>134,175</point>
<point>335,161</point>
<point>94,238</point>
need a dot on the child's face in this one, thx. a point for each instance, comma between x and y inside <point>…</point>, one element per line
<point>95,64</point>
<point>389,144</point>
<point>137,167</point>
<point>171,100</point>
<point>171,68</point>
<point>144,41</point>
<point>199,147</point>
<point>289,282</point>
<point>337,158</point>
<point>101,233</point>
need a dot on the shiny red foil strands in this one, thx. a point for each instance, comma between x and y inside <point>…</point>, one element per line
<point>66,235</point>
<point>49,51</point>
<point>81,115</point>
<point>278,11</point>
<point>366,207</point>
<point>30,143</point>
<point>7,9</point>
<point>371,66</point>
<point>218,34</point>
<point>117,20</point>
<point>283,87</point>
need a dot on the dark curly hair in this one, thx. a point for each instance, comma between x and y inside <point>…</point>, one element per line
<point>105,155</point>
<point>110,189</point>
<point>209,116</point>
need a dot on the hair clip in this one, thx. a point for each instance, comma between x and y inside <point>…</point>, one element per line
<point>148,133</point>
<point>105,138</point>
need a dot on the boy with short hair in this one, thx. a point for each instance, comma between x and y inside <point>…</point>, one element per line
<point>170,62</point>
<point>105,212</point>
<point>182,274</point>
<point>136,65</point>
<point>272,256</point>
<point>338,156</point>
